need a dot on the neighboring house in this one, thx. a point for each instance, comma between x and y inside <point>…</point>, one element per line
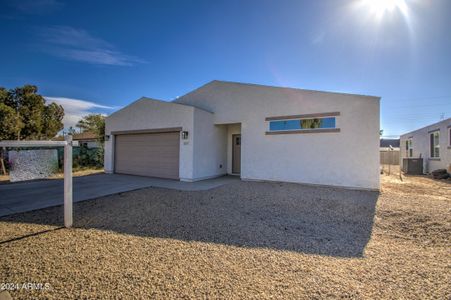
<point>432,143</point>
<point>389,151</point>
<point>88,139</point>
<point>387,143</point>
<point>254,131</point>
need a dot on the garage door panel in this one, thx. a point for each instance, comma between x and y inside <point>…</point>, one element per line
<point>156,165</point>
<point>147,151</point>
<point>155,143</point>
<point>155,154</point>
<point>138,160</point>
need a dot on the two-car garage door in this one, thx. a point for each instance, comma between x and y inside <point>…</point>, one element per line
<point>148,154</point>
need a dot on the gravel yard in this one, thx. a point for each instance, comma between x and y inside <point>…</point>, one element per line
<point>242,240</point>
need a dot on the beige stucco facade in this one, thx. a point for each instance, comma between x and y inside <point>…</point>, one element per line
<point>348,156</point>
<point>421,146</point>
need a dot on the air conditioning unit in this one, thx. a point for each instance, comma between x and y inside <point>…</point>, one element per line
<point>412,166</point>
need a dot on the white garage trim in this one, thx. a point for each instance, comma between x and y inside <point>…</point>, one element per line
<point>152,152</point>
<point>155,130</point>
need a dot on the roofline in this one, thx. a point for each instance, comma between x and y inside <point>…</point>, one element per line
<point>162,101</point>
<point>139,99</point>
<point>424,127</point>
<point>86,139</point>
<point>193,91</point>
<point>157,100</point>
<point>288,88</point>
<point>174,101</point>
<point>183,104</point>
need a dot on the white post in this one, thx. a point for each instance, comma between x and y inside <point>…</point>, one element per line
<point>68,181</point>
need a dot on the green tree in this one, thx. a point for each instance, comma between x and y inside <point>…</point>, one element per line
<point>310,123</point>
<point>30,106</point>
<point>93,123</point>
<point>34,119</point>
<point>3,95</point>
<point>11,124</point>
<point>71,130</point>
<point>52,117</point>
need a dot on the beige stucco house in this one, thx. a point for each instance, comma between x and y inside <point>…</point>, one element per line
<point>432,143</point>
<point>252,131</point>
<point>88,139</point>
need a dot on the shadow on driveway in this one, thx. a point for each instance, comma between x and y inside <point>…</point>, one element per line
<point>283,216</point>
<point>36,194</point>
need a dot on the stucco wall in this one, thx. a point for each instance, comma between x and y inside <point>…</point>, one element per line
<point>349,158</point>
<point>421,146</point>
<point>209,146</point>
<point>152,114</point>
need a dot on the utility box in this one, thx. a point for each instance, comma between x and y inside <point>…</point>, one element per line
<point>412,166</point>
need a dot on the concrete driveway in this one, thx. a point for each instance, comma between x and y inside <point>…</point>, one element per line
<point>31,195</point>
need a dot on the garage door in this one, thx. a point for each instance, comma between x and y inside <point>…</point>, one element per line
<point>150,154</point>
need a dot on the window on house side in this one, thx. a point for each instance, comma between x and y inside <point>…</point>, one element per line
<point>407,148</point>
<point>302,124</point>
<point>410,147</point>
<point>435,144</point>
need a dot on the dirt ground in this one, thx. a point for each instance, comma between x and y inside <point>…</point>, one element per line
<point>243,240</point>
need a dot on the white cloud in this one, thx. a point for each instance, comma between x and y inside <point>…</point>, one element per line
<point>103,56</point>
<point>79,45</point>
<point>76,109</point>
<point>71,37</point>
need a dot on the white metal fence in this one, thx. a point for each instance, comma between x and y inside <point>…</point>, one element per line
<point>67,144</point>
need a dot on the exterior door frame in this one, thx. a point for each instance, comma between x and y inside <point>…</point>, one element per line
<point>233,153</point>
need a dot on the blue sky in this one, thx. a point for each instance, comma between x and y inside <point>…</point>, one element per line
<point>96,56</point>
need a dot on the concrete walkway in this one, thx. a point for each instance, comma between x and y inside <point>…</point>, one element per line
<point>31,195</point>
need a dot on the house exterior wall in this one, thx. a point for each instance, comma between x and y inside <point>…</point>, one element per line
<point>421,146</point>
<point>210,156</point>
<point>153,114</point>
<point>347,158</point>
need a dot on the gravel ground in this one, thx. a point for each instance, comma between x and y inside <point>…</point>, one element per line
<point>243,240</point>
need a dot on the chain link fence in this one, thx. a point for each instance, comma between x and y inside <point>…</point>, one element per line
<point>389,160</point>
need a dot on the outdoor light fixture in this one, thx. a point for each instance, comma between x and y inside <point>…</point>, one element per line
<point>107,137</point>
<point>184,135</point>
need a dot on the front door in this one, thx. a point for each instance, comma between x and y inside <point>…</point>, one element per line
<point>236,153</point>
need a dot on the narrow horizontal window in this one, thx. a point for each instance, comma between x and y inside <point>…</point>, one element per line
<point>302,124</point>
